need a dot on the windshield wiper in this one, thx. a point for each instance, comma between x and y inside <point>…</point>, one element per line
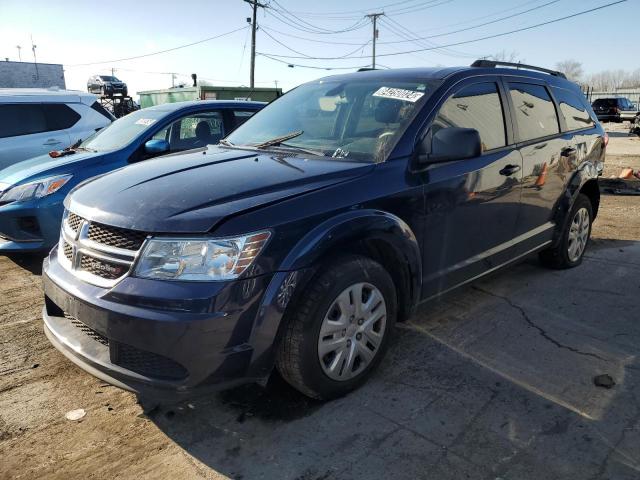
<point>317,153</point>
<point>278,140</point>
<point>226,143</point>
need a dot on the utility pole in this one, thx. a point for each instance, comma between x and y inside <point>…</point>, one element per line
<point>374,20</point>
<point>254,27</point>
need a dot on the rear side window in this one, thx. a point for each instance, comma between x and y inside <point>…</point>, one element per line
<point>476,106</point>
<point>60,116</point>
<point>534,110</point>
<point>573,109</point>
<point>21,119</point>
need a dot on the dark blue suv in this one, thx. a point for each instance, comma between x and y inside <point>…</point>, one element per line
<point>304,236</point>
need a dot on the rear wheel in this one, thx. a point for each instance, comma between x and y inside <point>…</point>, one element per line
<point>340,329</point>
<point>575,237</point>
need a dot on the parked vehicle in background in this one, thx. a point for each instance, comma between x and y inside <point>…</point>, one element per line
<point>301,239</point>
<point>106,86</point>
<point>618,109</point>
<point>31,192</point>
<point>34,121</point>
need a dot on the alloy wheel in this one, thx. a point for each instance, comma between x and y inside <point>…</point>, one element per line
<point>578,234</point>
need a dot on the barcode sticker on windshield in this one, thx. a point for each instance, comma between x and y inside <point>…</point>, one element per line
<point>145,121</point>
<point>398,94</point>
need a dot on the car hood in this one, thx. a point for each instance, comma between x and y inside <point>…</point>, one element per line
<point>43,166</point>
<point>192,192</point>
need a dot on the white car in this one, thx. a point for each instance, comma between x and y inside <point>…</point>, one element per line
<point>34,121</point>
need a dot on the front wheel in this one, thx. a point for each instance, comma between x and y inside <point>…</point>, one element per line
<point>574,238</point>
<point>339,330</point>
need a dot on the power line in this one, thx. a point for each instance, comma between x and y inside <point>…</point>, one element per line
<point>360,46</point>
<point>466,42</point>
<point>291,64</point>
<point>415,37</point>
<point>160,51</point>
<point>360,11</point>
<point>408,35</point>
<point>283,18</point>
<point>488,23</point>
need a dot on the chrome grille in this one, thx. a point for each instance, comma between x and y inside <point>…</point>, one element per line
<point>68,250</point>
<point>74,221</point>
<point>97,253</point>
<point>116,237</point>
<point>100,268</point>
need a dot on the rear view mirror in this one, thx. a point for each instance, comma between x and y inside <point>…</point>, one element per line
<point>449,144</point>
<point>156,147</point>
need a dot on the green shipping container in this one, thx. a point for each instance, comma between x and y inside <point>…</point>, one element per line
<point>207,92</point>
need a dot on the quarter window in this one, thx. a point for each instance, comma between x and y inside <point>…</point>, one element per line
<point>535,113</point>
<point>477,106</point>
<point>573,109</point>
<point>60,116</point>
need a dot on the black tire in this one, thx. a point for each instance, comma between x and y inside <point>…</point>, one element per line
<point>558,257</point>
<point>297,359</point>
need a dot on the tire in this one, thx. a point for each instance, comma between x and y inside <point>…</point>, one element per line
<point>298,357</point>
<point>575,237</point>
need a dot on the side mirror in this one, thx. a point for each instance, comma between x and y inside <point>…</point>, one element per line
<point>449,144</point>
<point>156,147</point>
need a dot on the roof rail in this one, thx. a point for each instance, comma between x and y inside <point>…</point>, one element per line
<point>494,64</point>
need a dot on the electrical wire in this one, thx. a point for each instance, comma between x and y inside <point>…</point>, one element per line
<point>310,66</point>
<point>360,46</point>
<point>160,51</point>
<point>466,42</point>
<point>415,36</point>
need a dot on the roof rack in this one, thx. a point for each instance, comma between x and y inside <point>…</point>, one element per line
<point>494,64</point>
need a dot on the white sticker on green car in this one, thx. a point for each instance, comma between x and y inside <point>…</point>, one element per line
<point>398,94</point>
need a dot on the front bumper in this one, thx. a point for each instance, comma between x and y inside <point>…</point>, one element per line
<point>30,226</point>
<point>163,339</point>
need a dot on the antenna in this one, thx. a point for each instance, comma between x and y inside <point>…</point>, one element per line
<point>19,55</point>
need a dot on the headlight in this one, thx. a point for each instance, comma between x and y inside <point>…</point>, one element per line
<point>36,189</point>
<point>200,258</point>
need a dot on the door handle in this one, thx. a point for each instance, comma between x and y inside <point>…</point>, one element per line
<point>509,170</point>
<point>566,152</point>
<point>52,141</point>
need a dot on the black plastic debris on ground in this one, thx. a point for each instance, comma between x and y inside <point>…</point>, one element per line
<point>604,381</point>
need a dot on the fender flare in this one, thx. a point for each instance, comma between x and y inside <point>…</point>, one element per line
<point>585,173</point>
<point>302,261</point>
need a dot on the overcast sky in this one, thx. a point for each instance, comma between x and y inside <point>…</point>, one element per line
<point>75,32</point>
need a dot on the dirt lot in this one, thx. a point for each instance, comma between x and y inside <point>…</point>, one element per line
<point>495,381</point>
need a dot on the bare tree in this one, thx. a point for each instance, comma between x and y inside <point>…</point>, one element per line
<point>504,56</point>
<point>571,68</point>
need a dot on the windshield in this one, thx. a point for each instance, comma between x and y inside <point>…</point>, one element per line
<point>123,131</point>
<point>109,79</point>
<point>352,120</point>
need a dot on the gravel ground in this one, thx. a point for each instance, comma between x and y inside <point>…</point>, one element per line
<point>494,381</point>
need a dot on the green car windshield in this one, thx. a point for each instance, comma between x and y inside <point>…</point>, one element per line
<point>357,120</point>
